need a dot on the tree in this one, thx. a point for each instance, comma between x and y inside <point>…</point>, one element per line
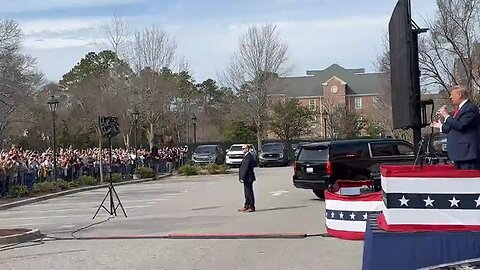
<point>117,36</point>
<point>448,52</point>
<point>91,88</point>
<point>153,48</point>
<point>254,69</point>
<point>344,123</point>
<point>19,79</point>
<point>290,120</point>
<point>238,131</point>
<point>155,92</point>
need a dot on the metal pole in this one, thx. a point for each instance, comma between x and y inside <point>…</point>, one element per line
<point>194,133</point>
<point>54,148</point>
<point>325,127</point>
<point>135,138</point>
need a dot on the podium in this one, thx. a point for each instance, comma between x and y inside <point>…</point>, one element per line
<point>430,198</point>
<point>430,216</point>
<point>415,250</point>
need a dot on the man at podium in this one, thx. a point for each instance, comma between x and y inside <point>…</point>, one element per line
<point>462,128</point>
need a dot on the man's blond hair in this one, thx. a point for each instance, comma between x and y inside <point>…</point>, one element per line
<point>460,89</point>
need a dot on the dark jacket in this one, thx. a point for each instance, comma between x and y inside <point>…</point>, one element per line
<point>462,133</point>
<point>246,172</point>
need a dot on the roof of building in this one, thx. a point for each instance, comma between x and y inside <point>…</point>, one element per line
<point>358,82</point>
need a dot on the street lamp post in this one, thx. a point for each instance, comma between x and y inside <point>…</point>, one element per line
<point>135,115</point>
<point>194,120</point>
<point>52,106</point>
<point>325,115</point>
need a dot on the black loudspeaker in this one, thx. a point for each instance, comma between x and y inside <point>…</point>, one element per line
<point>109,126</point>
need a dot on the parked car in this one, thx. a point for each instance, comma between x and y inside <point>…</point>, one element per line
<point>319,165</point>
<point>235,155</point>
<point>273,154</point>
<point>204,154</point>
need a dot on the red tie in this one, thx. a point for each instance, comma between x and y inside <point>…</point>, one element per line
<point>455,113</point>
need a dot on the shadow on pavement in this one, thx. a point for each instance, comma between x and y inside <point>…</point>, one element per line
<point>281,208</point>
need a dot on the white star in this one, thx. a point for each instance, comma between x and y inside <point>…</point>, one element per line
<point>333,214</point>
<point>326,214</point>
<point>477,201</point>
<point>352,216</point>
<point>341,215</point>
<point>365,216</point>
<point>454,201</point>
<point>428,201</point>
<point>403,201</point>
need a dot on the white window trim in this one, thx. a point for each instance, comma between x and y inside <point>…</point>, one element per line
<point>360,103</point>
<point>314,104</point>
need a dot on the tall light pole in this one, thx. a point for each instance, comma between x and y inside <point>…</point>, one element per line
<point>194,120</point>
<point>135,115</point>
<point>325,116</point>
<point>52,106</point>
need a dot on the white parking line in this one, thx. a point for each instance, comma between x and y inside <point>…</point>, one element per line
<point>52,203</point>
<point>65,210</point>
<point>47,217</point>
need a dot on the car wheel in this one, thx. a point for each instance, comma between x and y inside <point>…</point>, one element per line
<point>320,193</point>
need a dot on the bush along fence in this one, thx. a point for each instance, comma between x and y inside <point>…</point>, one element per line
<point>212,168</point>
<point>52,186</point>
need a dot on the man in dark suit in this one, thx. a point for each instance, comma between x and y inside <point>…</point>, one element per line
<point>247,177</point>
<point>462,130</point>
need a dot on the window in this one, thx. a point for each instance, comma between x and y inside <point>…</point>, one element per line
<point>312,105</point>
<point>382,149</point>
<point>348,150</point>
<point>313,153</point>
<point>404,149</point>
<point>358,103</point>
<point>391,149</point>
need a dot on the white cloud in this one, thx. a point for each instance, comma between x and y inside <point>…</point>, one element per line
<point>353,42</point>
<point>18,6</point>
<point>59,25</point>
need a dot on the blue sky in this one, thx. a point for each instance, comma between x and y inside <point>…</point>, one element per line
<point>319,32</point>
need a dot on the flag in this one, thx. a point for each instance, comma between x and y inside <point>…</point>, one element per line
<point>432,198</point>
<point>346,215</point>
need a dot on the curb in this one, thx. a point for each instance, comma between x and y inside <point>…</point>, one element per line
<point>77,190</point>
<point>21,237</point>
<point>176,236</point>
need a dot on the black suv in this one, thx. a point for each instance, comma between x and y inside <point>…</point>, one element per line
<point>273,154</point>
<point>319,165</point>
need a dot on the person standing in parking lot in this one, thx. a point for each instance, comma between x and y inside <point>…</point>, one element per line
<point>247,177</point>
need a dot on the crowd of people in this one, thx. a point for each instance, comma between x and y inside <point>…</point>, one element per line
<point>27,167</point>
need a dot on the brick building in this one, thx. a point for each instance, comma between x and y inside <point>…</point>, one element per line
<point>335,85</point>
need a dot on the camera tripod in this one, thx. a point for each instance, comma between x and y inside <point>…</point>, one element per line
<point>111,189</point>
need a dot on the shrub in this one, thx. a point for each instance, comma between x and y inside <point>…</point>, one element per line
<point>188,170</point>
<point>116,177</point>
<point>19,191</point>
<point>87,181</point>
<point>223,169</point>
<point>74,184</point>
<point>212,168</point>
<point>145,172</point>
<point>63,185</point>
<point>47,187</point>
